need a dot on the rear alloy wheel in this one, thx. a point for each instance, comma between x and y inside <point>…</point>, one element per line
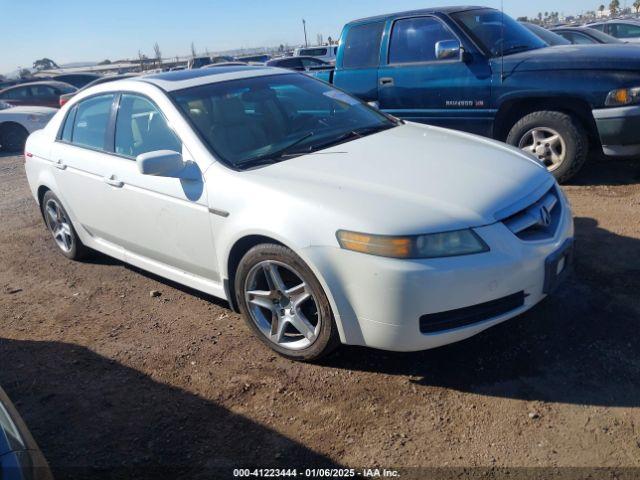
<point>556,139</point>
<point>59,224</point>
<point>13,137</point>
<point>284,303</point>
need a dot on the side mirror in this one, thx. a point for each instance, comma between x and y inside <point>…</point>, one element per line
<point>448,50</point>
<point>167,163</point>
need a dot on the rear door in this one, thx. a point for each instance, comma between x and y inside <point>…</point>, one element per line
<point>357,63</point>
<point>83,171</point>
<point>415,85</point>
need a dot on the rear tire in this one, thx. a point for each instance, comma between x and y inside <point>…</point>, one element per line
<point>59,225</point>
<point>13,137</point>
<point>284,304</point>
<point>555,138</point>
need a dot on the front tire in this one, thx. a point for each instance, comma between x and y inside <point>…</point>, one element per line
<point>558,140</point>
<point>284,304</point>
<point>59,224</point>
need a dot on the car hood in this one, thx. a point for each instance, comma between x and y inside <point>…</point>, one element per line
<point>31,110</point>
<point>410,179</point>
<point>573,57</point>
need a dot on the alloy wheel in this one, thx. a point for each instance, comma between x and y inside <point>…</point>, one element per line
<point>546,144</point>
<point>282,305</point>
<point>59,225</point>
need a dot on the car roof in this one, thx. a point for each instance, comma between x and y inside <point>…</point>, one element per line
<point>51,83</point>
<point>178,80</point>
<point>446,10</point>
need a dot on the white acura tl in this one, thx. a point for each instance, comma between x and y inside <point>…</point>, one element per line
<point>319,218</point>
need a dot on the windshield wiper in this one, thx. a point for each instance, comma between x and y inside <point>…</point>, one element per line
<point>272,157</point>
<point>515,48</point>
<point>355,133</point>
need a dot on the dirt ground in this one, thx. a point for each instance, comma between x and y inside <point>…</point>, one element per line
<point>109,378</point>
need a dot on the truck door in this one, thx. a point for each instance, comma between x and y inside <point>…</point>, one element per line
<point>357,63</point>
<point>452,91</point>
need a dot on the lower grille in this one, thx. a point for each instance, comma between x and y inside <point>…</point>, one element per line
<point>461,317</point>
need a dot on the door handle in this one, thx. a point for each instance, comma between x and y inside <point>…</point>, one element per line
<point>386,82</point>
<point>60,164</point>
<point>113,182</point>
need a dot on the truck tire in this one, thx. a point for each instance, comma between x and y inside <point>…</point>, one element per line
<point>555,138</point>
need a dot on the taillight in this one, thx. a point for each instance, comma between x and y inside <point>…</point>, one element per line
<point>63,101</point>
<point>28,154</point>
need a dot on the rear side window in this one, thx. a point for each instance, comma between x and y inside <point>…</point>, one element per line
<point>67,130</point>
<point>42,91</point>
<point>414,39</point>
<point>91,121</point>
<point>313,52</point>
<point>624,30</point>
<point>141,128</point>
<point>362,46</point>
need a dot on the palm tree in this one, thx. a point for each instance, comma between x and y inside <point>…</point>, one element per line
<point>601,8</point>
<point>636,5</point>
<point>614,6</point>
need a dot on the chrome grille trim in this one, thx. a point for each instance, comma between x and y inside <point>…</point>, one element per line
<point>539,220</point>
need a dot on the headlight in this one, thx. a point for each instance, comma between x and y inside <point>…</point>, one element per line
<point>623,96</point>
<point>433,245</point>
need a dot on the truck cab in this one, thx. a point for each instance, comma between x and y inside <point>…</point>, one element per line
<point>478,70</point>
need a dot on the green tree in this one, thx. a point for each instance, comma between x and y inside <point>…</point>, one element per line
<point>44,64</point>
<point>601,8</point>
<point>614,6</point>
<point>105,62</point>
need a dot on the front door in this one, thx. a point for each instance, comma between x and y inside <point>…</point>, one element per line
<point>414,84</point>
<point>162,219</point>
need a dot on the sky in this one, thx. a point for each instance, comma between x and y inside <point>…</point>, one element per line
<point>93,30</point>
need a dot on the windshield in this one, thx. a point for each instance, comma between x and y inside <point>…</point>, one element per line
<point>496,33</point>
<point>266,119</point>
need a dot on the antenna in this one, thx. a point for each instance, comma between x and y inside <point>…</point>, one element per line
<point>502,41</point>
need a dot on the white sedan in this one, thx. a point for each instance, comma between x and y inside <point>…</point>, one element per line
<point>319,218</point>
<point>16,123</point>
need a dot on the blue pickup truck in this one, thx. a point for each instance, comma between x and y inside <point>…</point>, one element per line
<point>478,70</point>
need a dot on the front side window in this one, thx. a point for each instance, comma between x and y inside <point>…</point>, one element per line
<point>624,30</point>
<point>141,128</point>
<point>496,33</point>
<point>91,121</point>
<point>362,46</point>
<point>414,39</point>
<point>272,118</point>
<point>16,94</point>
<point>579,38</point>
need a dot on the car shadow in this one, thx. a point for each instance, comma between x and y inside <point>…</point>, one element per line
<point>96,418</point>
<point>601,170</point>
<point>578,346</point>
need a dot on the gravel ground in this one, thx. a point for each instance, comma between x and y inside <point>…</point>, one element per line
<point>111,378</point>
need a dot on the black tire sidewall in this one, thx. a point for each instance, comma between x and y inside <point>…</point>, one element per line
<point>20,134</point>
<point>327,339</point>
<point>78,251</point>
<point>570,130</point>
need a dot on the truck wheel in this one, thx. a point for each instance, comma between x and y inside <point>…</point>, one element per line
<point>555,138</point>
<point>284,304</point>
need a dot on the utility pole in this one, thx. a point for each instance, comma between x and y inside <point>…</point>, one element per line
<point>304,26</point>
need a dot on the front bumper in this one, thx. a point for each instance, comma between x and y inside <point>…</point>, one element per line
<point>619,130</point>
<point>379,301</point>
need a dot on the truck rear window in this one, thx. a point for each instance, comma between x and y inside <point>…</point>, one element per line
<point>362,46</point>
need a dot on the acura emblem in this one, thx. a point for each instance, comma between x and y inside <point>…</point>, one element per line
<point>545,217</point>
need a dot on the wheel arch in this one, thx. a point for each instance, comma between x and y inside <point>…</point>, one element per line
<point>244,243</point>
<point>514,109</point>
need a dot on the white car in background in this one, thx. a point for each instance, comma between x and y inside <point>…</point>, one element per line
<point>323,52</point>
<point>320,218</point>
<point>16,123</point>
